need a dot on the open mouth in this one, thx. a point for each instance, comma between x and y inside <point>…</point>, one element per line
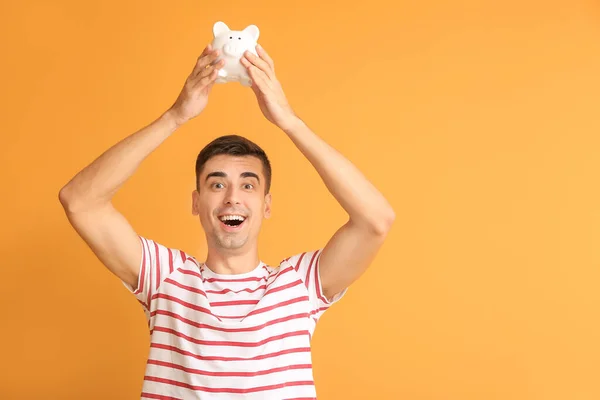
<point>232,221</point>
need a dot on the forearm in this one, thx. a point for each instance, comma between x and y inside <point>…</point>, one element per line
<point>364,204</point>
<point>98,182</point>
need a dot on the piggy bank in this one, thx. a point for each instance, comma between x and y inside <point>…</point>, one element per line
<point>232,45</point>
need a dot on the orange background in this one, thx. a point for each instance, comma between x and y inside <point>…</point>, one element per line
<point>477,120</point>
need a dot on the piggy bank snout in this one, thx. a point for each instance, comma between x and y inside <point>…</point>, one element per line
<point>235,50</point>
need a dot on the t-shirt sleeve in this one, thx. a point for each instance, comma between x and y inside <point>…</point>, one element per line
<point>158,262</point>
<point>307,266</point>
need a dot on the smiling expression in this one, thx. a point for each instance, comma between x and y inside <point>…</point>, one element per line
<point>231,201</point>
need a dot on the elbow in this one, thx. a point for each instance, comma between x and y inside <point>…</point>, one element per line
<point>63,197</point>
<point>68,200</point>
<point>384,223</point>
<point>74,202</point>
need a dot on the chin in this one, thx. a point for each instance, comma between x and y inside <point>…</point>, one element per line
<point>232,243</point>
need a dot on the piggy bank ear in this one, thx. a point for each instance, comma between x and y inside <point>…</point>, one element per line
<point>252,30</point>
<point>220,27</point>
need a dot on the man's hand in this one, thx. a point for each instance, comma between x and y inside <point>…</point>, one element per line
<point>267,89</point>
<point>194,95</point>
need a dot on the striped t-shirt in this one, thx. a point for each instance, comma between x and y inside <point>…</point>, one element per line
<point>244,336</point>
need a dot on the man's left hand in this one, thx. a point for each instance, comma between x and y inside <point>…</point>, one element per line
<point>268,91</point>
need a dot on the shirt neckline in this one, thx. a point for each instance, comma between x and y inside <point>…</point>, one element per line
<point>207,272</point>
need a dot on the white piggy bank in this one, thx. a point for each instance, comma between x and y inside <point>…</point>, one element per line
<point>232,45</point>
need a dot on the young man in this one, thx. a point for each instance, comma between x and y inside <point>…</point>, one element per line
<point>231,327</point>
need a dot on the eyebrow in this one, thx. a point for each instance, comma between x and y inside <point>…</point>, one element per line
<point>222,174</point>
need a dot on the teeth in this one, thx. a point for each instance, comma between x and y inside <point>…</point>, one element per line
<point>232,217</point>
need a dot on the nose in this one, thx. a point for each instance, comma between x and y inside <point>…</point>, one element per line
<point>231,196</point>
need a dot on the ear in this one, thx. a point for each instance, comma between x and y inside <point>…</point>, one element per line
<point>220,27</point>
<point>195,195</point>
<point>268,206</point>
<point>253,31</point>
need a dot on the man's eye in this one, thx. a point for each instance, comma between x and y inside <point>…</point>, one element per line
<point>249,184</point>
<point>215,184</point>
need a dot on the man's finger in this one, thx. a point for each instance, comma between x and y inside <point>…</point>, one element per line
<point>259,78</point>
<point>256,73</point>
<point>206,51</point>
<point>260,64</point>
<point>209,69</point>
<point>208,72</point>
<point>263,54</point>
<point>207,59</point>
<point>204,61</point>
<point>207,80</point>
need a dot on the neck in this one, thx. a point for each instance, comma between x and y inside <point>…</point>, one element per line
<point>232,263</point>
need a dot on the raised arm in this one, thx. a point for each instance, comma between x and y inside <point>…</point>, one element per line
<point>87,197</point>
<point>352,248</point>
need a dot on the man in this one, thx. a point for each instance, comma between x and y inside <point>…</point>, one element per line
<point>231,327</point>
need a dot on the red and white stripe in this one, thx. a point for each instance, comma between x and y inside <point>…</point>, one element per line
<point>243,336</point>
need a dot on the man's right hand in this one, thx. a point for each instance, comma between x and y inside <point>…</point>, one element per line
<point>194,95</point>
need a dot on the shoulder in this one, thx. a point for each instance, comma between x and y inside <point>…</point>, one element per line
<point>158,253</point>
<point>302,260</point>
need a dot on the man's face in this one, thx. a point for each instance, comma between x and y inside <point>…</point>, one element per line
<point>231,187</point>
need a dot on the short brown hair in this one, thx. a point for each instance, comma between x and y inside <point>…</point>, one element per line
<point>233,145</point>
